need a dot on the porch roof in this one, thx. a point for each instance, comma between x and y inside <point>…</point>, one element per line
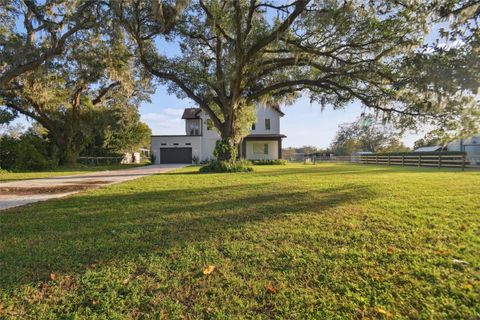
<point>265,136</point>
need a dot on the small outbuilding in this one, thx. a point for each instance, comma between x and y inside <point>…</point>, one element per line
<point>429,149</point>
<point>470,145</point>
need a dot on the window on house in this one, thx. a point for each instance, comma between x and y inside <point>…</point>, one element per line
<point>209,124</point>
<point>260,148</point>
<point>163,144</point>
<point>187,143</point>
<point>175,144</point>
<point>253,126</point>
<point>194,128</point>
<point>267,124</point>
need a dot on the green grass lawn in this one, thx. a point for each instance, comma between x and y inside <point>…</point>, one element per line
<point>287,242</point>
<point>6,176</point>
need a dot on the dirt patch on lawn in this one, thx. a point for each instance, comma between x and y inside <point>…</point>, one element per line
<point>22,191</point>
<point>89,182</point>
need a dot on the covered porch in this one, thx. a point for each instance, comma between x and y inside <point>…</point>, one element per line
<point>261,147</point>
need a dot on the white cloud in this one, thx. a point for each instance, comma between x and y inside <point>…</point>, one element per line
<point>173,111</point>
<point>167,121</point>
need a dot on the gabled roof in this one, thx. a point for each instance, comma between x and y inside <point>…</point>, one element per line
<point>191,113</point>
<point>274,135</point>
<point>276,107</point>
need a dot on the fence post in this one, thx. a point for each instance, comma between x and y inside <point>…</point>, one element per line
<point>463,162</point>
<point>403,160</point>
<point>388,159</point>
<point>419,160</point>
<point>376,159</point>
<point>439,160</point>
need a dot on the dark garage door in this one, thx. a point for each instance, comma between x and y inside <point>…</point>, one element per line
<point>175,155</point>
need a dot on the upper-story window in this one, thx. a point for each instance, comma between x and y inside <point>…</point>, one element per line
<point>253,126</point>
<point>194,128</point>
<point>209,124</point>
<point>267,124</point>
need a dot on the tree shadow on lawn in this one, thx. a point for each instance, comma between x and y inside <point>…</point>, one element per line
<point>308,169</point>
<point>70,235</point>
<point>350,169</point>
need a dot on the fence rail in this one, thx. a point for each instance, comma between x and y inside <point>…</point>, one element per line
<point>440,161</point>
<point>460,161</point>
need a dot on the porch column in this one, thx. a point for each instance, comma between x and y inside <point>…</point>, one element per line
<point>279,148</point>
<point>244,149</point>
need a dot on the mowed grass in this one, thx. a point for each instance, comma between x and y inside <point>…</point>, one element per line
<point>287,242</point>
<point>7,176</point>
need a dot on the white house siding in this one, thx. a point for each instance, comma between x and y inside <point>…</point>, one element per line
<point>272,150</point>
<point>266,113</point>
<point>209,138</point>
<point>170,141</point>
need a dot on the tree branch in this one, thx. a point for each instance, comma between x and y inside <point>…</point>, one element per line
<point>213,21</point>
<point>275,34</point>
<point>104,91</point>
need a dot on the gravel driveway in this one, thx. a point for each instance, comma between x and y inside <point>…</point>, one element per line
<point>19,193</point>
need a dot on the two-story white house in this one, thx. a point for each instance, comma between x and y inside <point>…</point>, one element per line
<point>198,143</point>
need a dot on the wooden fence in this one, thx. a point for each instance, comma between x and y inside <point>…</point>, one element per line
<point>438,160</point>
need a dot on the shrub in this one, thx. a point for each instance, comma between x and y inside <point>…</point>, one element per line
<point>29,152</point>
<point>225,166</point>
<point>153,157</point>
<point>269,162</point>
<point>8,146</point>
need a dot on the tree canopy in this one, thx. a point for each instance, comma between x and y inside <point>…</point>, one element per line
<point>444,76</point>
<point>45,30</point>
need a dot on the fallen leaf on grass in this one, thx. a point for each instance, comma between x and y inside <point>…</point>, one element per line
<point>208,269</point>
<point>460,261</point>
<point>384,312</point>
<point>53,276</point>
<point>390,250</point>
<point>126,281</point>
<point>271,288</point>
<point>468,286</point>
